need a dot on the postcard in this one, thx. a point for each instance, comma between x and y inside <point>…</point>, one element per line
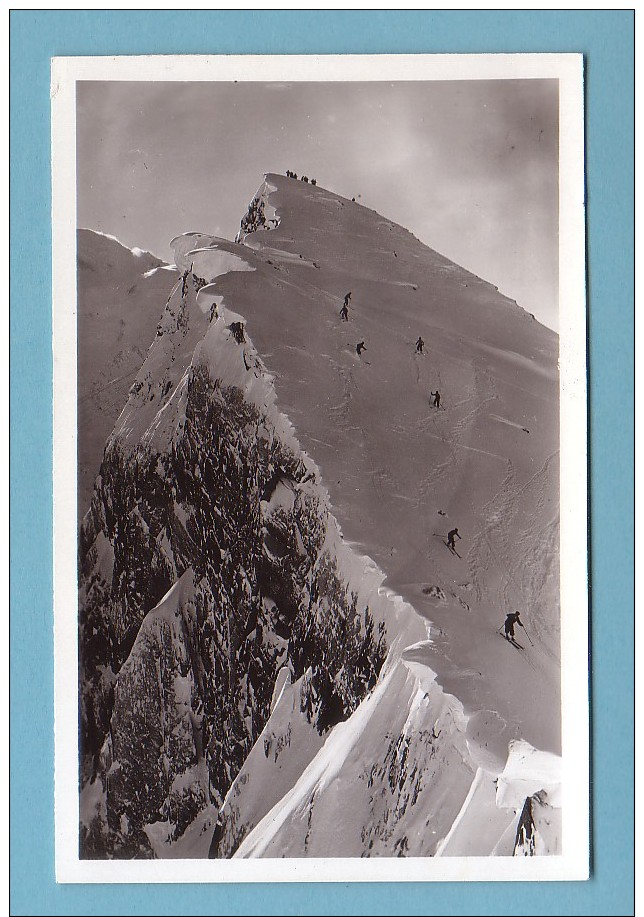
<point>320,468</point>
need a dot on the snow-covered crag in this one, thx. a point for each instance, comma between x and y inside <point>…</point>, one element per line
<point>121,292</point>
<point>260,214</point>
<point>273,663</point>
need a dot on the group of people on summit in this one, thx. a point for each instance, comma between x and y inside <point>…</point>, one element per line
<point>304,178</point>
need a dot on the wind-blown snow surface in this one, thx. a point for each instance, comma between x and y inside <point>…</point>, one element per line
<point>321,753</point>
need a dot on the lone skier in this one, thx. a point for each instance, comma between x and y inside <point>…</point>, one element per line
<point>512,619</point>
<point>437,399</point>
<point>360,347</point>
<point>347,298</point>
<point>450,539</point>
<point>344,313</point>
<point>419,344</point>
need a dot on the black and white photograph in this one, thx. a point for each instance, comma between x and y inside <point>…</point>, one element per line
<point>320,468</point>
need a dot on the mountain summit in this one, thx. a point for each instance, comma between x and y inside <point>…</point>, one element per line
<point>281,653</point>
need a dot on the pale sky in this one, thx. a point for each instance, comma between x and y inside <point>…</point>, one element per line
<point>469,167</point>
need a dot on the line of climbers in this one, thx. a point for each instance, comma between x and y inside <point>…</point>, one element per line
<point>304,178</point>
<point>313,181</point>
<point>344,316</point>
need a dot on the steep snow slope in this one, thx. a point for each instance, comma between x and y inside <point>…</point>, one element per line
<point>390,461</point>
<point>121,293</point>
<point>410,767</point>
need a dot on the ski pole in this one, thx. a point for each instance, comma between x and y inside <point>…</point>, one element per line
<point>528,636</point>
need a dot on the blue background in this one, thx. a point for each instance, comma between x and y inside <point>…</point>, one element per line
<point>607,40</point>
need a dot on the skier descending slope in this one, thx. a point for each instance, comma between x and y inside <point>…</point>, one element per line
<point>360,347</point>
<point>344,313</point>
<point>419,344</point>
<point>508,626</point>
<point>437,399</point>
<point>347,297</point>
<point>450,539</point>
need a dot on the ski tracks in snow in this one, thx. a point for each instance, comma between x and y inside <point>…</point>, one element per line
<point>452,431</point>
<point>340,412</point>
<point>503,535</point>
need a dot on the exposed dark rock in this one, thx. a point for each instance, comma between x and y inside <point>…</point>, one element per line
<point>174,696</point>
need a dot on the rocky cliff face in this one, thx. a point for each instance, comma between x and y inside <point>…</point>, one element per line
<point>249,685</point>
<point>207,565</point>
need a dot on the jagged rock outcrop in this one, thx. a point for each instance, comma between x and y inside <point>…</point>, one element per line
<point>261,215</point>
<point>539,828</point>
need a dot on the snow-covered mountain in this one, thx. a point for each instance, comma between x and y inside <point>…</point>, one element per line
<point>280,655</point>
<point>121,292</point>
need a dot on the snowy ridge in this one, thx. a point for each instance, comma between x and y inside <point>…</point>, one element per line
<point>136,251</point>
<point>315,777</point>
<point>318,775</point>
<point>231,364</point>
<point>406,755</point>
<point>120,293</point>
<point>240,366</point>
<point>163,267</point>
